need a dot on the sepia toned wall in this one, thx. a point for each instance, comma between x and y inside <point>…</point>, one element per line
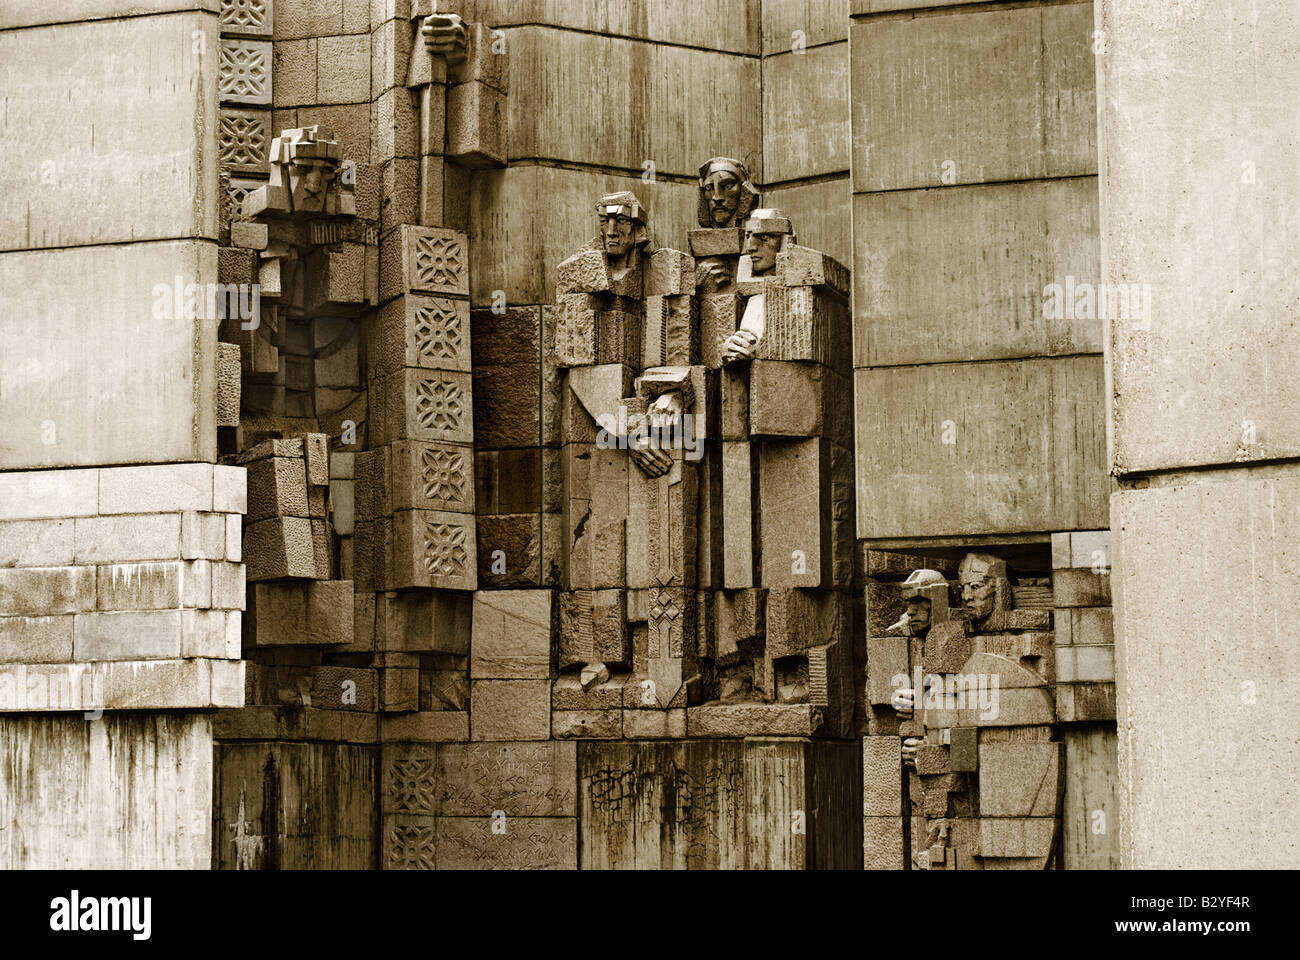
<point>121,584</point>
<point>1200,207</point>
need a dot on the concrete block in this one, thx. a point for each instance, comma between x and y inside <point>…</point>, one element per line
<point>39,591</point>
<point>429,726</point>
<point>49,493</point>
<point>806,111</point>
<point>1202,380</point>
<point>587,724</point>
<point>343,69</point>
<point>36,639</point>
<point>278,488</point>
<point>36,543</point>
<point>156,488</point>
<point>796,539</point>
<point>654,724</point>
<point>882,844</point>
<point>163,371</point>
<point>1050,231</point>
<point>510,709</point>
<point>1030,117</point>
<point>572,131</point>
<point>129,635</point>
<point>882,777</point>
<point>786,398</point>
<point>1085,664</point>
<point>511,635</point>
<point>476,125</point>
<point>66,203</point>
<point>1042,419</point>
<point>1019,779</point>
<point>280,548</point>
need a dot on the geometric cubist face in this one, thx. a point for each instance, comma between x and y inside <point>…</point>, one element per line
<point>309,180</point>
<point>762,248</point>
<point>722,191</point>
<point>618,232</point>
<point>918,616</point>
<point>978,594</point>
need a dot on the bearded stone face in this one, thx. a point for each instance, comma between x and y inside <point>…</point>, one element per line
<point>722,192</point>
<point>618,233</point>
<point>978,595</point>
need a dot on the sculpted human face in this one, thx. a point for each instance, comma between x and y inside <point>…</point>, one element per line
<point>977,596</point>
<point>619,233</point>
<point>918,616</point>
<point>762,249</point>
<point>722,190</point>
<point>308,181</point>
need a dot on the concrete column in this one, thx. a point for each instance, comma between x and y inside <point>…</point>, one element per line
<point>1198,150</point>
<point>120,573</point>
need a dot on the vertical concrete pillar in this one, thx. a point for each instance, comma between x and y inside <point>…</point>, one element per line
<point>1198,152</point>
<point>120,573</point>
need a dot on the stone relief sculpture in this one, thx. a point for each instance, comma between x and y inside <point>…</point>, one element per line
<point>726,198</point>
<point>978,733</point>
<point>698,394</point>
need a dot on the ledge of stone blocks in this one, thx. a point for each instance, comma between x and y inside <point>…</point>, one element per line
<point>112,491</point>
<point>172,684</point>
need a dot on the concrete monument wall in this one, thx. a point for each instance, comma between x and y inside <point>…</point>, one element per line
<point>1200,208</point>
<point>121,584</point>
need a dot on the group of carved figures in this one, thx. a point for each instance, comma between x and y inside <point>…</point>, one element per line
<point>666,432</point>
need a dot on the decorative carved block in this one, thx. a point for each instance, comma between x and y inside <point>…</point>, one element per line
<point>432,333</point>
<point>243,140</point>
<point>245,71</point>
<point>410,785</point>
<point>247,18</point>
<point>429,405</point>
<point>410,844</point>
<point>433,476</point>
<point>434,549</point>
<point>437,261</point>
<point>240,188</point>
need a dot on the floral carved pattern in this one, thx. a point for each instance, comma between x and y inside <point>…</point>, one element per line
<point>439,261</point>
<point>445,551</point>
<point>443,474</point>
<point>411,847</point>
<point>242,140</point>
<point>245,72</point>
<point>244,13</point>
<point>439,404</point>
<point>438,332</point>
<point>411,785</point>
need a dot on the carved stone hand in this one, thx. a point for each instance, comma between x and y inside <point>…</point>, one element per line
<point>739,346</point>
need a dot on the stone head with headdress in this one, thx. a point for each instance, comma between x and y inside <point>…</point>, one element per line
<point>726,193</point>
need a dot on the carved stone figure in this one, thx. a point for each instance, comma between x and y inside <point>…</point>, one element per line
<point>627,332</point>
<point>978,735</point>
<point>919,593</point>
<point>767,233</point>
<point>726,197</point>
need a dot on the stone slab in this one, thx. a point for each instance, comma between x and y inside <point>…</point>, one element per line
<point>87,171</point>
<point>1028,450</point>
<point>1017,100</point>
<point>68,346</point>
<point>985,309</point>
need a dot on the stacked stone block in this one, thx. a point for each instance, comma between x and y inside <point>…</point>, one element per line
<point>121,588</point>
